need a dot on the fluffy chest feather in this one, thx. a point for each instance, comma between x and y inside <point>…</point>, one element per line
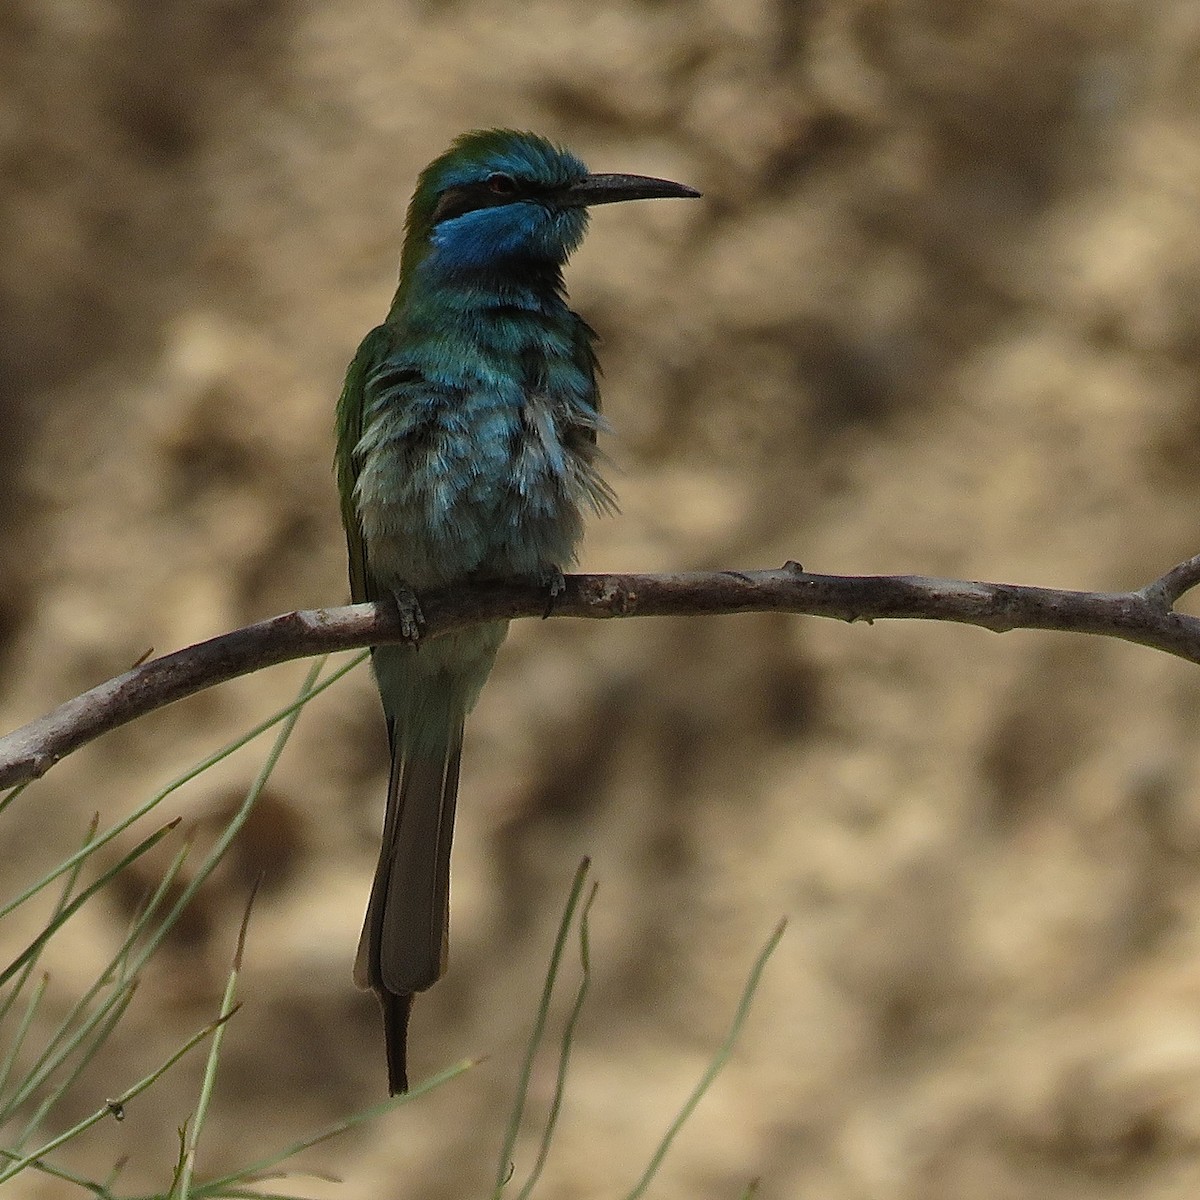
<point>482,475</point>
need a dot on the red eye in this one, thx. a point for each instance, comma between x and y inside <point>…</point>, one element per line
<point>501,184</point>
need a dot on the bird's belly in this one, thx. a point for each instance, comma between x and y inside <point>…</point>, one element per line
<point>479,489</point>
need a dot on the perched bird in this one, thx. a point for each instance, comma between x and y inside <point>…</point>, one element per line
<point>466,449</point>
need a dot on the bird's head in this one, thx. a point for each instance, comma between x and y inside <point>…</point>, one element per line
<point>499,198</point>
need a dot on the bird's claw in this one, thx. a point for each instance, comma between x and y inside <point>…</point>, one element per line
<point>554,581</point>
<point>412,619</point>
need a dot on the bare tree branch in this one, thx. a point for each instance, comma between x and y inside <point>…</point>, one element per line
<point>1145,616</point>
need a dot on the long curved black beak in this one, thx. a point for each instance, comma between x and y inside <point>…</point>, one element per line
<point>609,189</point>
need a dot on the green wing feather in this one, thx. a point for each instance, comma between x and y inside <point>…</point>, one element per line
<point>585,338</point>
<point>350,417</point>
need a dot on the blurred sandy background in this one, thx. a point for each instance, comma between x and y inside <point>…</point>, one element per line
<point>937,313</point>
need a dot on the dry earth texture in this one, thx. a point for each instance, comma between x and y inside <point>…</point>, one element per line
<point>937,313</point>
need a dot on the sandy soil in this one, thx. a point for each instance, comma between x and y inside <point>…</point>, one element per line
<point>937,314</point>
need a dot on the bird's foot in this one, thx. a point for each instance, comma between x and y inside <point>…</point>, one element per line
<point>554,581</point>
<point>412,619</point>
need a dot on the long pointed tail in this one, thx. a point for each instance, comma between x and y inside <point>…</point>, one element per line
<point>396,1010</point>
<point>404,939</point>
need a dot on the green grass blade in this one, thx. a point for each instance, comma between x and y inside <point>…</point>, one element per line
<point>19,1165</point>
<point>12,794</point>
<point>99,1190</point>
<point>114,1014</point>
<point>214,1054</point>
<point>504,1170</point>
<point>255,1194</point>
<point>219,1187</point>
<point>192,772</point>
<point>308,689</point>
<point>23,978</point>
<point>714,1067</point>
<point>131,956</point>
<point>69,910</point>
<point>114,1174</point>
<point>49,1061</point>
<point>564,1053</point>
<point>22,1031</point>
<point>118,968</point>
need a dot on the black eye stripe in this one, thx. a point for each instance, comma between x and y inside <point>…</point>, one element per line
<point>456,201</point>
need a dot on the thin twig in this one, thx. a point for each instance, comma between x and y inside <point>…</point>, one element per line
<point>1145,617</point>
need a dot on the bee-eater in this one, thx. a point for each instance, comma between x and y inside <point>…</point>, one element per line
<point>466,449</point>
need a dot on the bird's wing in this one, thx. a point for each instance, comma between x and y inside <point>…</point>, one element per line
<point>585,356</point>
<point>349,433</point>
<point>581,436</point>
